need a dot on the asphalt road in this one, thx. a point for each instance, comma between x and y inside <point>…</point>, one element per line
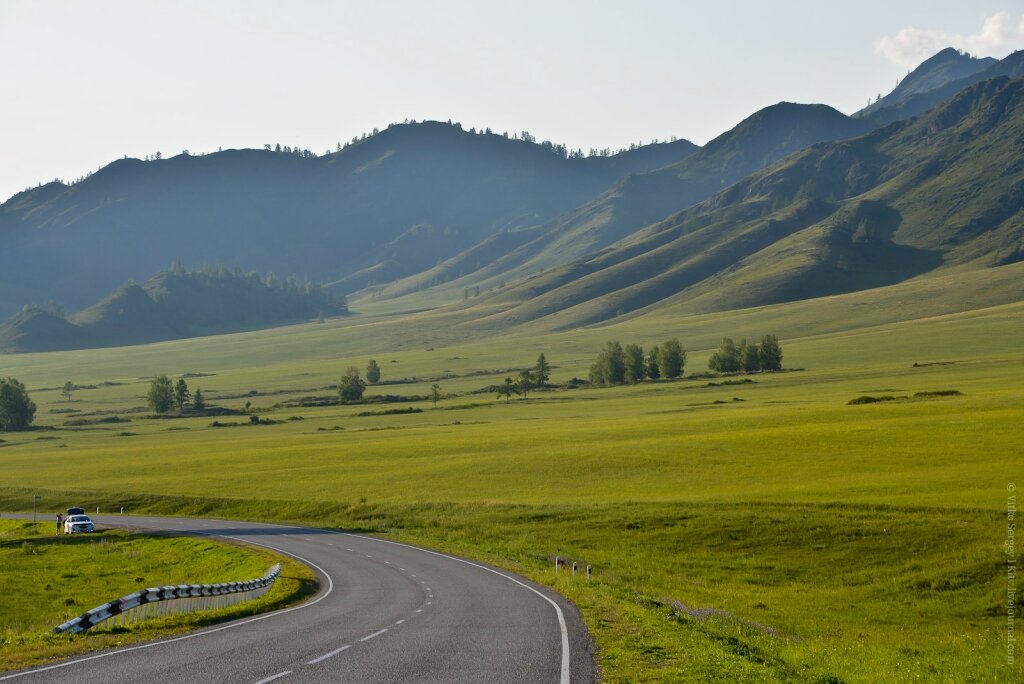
<point>386,612</point>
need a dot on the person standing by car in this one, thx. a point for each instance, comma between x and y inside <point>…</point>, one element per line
<point>60,523</point>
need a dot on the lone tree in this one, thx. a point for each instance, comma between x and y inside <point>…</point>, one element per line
<point>17,411</point>
<point>506,389</point>
<point>542,371</point>
<point>181,393</point>
<point>636,369</point>
<point>372,372</point>
<point>653,369</point>
<point>67,389</point>
<point>525,382</point>
<point>770,353</point>
<point>750,360</point>
<point>610,367</point>
<point>161,394</point>
<point>727,358</point>
<point>198,402</point>
<point>351,387</point>
<point>671,359</point>
<point>435,393</point>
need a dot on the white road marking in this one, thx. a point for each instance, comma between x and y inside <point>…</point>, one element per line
<point>402,569</point>
<point>400,621</point>
<point>564,670</point>
<point>277,676</point>
<point>325,656</point>
<point>375,634</point>
<point>419,610</point>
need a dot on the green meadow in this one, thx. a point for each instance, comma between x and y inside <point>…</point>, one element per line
<point>49,579</point>
<point>747,528</point>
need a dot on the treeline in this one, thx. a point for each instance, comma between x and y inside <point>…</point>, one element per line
<point>730,357</point>
<point>618,365</point>
<point>163,396</point>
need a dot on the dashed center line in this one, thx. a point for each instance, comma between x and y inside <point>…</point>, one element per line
<point>375,634</point>
<point>400,622</point>
<point>325,656</point>
<point>277,676</point>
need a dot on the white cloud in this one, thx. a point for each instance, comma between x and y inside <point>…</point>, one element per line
<point>999,35</point>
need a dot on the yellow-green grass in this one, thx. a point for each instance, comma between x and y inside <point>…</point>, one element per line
<point>48,579</point>
<point>860,542</point>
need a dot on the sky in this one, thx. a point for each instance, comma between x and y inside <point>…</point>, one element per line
<point>85,83</point>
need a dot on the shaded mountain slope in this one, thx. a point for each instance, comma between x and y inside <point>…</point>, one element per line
<point>382,200</point>
<point>940,191</point>
<point>641,199</point>
<point>170,305</point>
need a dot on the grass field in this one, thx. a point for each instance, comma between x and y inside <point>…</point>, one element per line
<point>49,579</point>
<point>763,531</point>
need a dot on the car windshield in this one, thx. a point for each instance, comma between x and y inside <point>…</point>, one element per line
<point>79,518</point>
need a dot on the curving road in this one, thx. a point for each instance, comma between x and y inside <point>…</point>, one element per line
<point>386,612</point>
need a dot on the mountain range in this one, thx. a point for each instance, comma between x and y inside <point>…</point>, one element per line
<point>796,201</point>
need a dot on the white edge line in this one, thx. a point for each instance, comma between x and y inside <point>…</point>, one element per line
<point>375,634</point>
<point>564,675</point>
<point>277,676</point>
<point>330,588</point>
<point>325,656</point>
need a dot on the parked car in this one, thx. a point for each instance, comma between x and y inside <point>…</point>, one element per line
<point>76,511</point>
<point>78,523</point>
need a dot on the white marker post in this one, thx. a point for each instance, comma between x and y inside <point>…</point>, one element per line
<point>558,561</point>
<point>590,571</point>
<point>574,568</point>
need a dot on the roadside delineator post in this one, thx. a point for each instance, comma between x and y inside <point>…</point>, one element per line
<point>590,571</point>
<point>574,568</point>
<point>558,561</point>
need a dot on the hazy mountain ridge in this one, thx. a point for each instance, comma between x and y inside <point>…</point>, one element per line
<point>321,217</point>
<point>639,200</point>
<point>946,189</point>
<point>170,305</point>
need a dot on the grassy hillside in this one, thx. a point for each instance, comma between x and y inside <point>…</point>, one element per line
<point>634,202</point>
<point>939,192</point>
<point>760,531</point>
<point>323,217</point>
<point>171,305</point>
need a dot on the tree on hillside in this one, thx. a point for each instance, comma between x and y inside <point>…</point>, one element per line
<point>17,410</point>
<point>198,401</point>
<point>435,393</point>
<point>181,393</point>
<point>636,369</point>
<point>372,372</point>
<point>671,359</point>
<point>610,367</point>
<point>750,360</point>
<point>542,371</point>
<point>727,358</point>
<point>351,387</point>
<point>67,389</point>
<point>161,394</point>
<point>653,369</point>
<point>506,389</point>
<point>525,382</point>
<point>770,353</point>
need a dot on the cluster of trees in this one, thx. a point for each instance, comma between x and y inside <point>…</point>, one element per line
<point>351,386</point>
<point>734,358</point>
<point>617,365</point>
<point>17,410</point>
<point>528,379</point>
<point>163,395</point>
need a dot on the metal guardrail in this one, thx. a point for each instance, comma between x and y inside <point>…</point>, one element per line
<point>171,600</point>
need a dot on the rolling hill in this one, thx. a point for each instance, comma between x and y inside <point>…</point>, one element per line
<point>940,193</point>
<point>395,203</point>
<point>171,305</point>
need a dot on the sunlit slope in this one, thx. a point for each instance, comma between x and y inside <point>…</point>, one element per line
<point>942,191</point>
